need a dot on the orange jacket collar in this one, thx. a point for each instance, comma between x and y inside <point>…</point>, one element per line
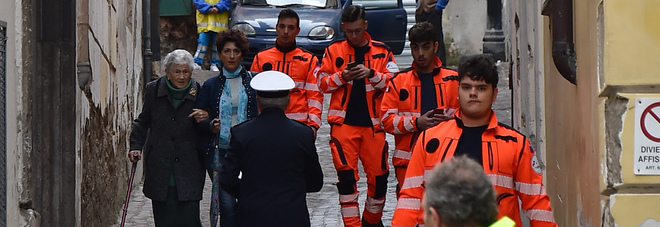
<point>492,124</point>
<point>436,61</point>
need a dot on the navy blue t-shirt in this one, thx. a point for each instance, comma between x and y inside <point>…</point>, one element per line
<point>429,100</point>
<point>470,143</point>
<point>357,112</point>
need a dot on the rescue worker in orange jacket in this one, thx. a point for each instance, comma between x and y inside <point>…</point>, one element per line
<point>354,114</point>
<point>505,154</point>
<point>414,94</point>
<point>306,100</point>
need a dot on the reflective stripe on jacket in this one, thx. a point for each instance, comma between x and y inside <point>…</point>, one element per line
<point>378,57</point>
<point>306,100</point>
<point>508,160</point>
<point>402,103</point>
<point>214,22</point>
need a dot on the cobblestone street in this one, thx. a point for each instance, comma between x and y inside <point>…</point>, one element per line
<point>324,205</point>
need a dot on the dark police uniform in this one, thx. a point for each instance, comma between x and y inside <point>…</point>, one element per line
<point>279,164</point>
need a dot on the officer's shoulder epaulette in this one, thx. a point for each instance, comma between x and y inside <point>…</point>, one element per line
<point>303,124</point>
<point>380,44</point>
<point>239,124</point>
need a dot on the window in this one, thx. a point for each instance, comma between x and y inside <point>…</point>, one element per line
<point>376,4</point>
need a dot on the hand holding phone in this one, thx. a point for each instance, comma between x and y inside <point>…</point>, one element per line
<point>351,64</point>
<point>439,111</point>
<point>443,113</point>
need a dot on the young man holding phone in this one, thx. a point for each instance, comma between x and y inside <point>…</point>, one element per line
<point>418,97</point>
<point>354,114</point>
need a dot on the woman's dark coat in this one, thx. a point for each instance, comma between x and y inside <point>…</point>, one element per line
<point>171,144</point>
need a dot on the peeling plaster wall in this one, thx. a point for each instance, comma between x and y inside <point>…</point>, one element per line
<point>574,125</point>
<point>565,122</point>
<point>12,14</point>
<point>464,22</point>
<point>521,20</point>
<point>107,104</point>
<point>630,42</point>
<point>19,71</point>
<point>590,130</point>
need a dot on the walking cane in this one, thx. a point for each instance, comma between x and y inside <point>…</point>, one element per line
<point>128,194</point>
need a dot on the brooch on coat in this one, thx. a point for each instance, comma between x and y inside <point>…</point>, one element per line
<point>193,91</point>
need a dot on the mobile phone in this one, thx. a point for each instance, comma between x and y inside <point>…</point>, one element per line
<point>351,64</point>
<point>439,111</point>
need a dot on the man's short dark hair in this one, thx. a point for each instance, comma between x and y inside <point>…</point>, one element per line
<point>479,67</point>
<point>288,13</point>
<point>352,13</point>
<point>461,193</point>
<point>421,32</point>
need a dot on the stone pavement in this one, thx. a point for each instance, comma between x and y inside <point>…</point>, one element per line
<point>324,205</point>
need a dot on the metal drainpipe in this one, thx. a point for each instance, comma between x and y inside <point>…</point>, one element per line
<point>561,26</point>
<point>146,40</point>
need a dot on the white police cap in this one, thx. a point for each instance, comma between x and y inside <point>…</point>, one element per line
<point>272,84</point>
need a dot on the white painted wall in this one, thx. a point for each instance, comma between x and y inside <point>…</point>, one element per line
<point>10,13</point>
<point>465,22</point>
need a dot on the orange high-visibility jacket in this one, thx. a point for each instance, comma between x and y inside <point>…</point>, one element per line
<point>402,103</point>
<point>306,100</point>
<point>378,57</point>
<point>508,159</point>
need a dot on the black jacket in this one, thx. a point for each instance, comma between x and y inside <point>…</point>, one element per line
<point>171,144</point>
<point>278,160</point>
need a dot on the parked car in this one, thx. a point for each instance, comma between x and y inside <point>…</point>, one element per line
<point>319,23</point>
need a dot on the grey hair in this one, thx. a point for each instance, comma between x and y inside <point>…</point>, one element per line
<point>281,103</point>
<point>461,193</point>
<point>179,57</point>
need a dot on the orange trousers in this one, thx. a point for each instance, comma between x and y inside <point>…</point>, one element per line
<point>348,144</point>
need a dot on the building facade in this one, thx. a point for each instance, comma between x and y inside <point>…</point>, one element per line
<point>578,68</point>
<point>72,71</point>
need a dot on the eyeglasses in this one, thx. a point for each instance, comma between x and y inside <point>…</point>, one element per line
<point>230,51</point>
<point>355,32</point>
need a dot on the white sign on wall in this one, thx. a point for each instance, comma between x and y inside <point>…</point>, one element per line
<point>647,136</point>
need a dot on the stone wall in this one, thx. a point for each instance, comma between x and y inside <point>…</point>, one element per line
<point>177,32</point>
<point>107,103</point>
<point>590,125</point>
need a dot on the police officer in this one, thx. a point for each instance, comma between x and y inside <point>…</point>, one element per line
<point>277,168</point>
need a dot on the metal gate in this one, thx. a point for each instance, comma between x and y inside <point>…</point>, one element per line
<point>3,124</point>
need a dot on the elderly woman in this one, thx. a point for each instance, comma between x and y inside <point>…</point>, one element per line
<point>174,175</point>
<point>228,99</point>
